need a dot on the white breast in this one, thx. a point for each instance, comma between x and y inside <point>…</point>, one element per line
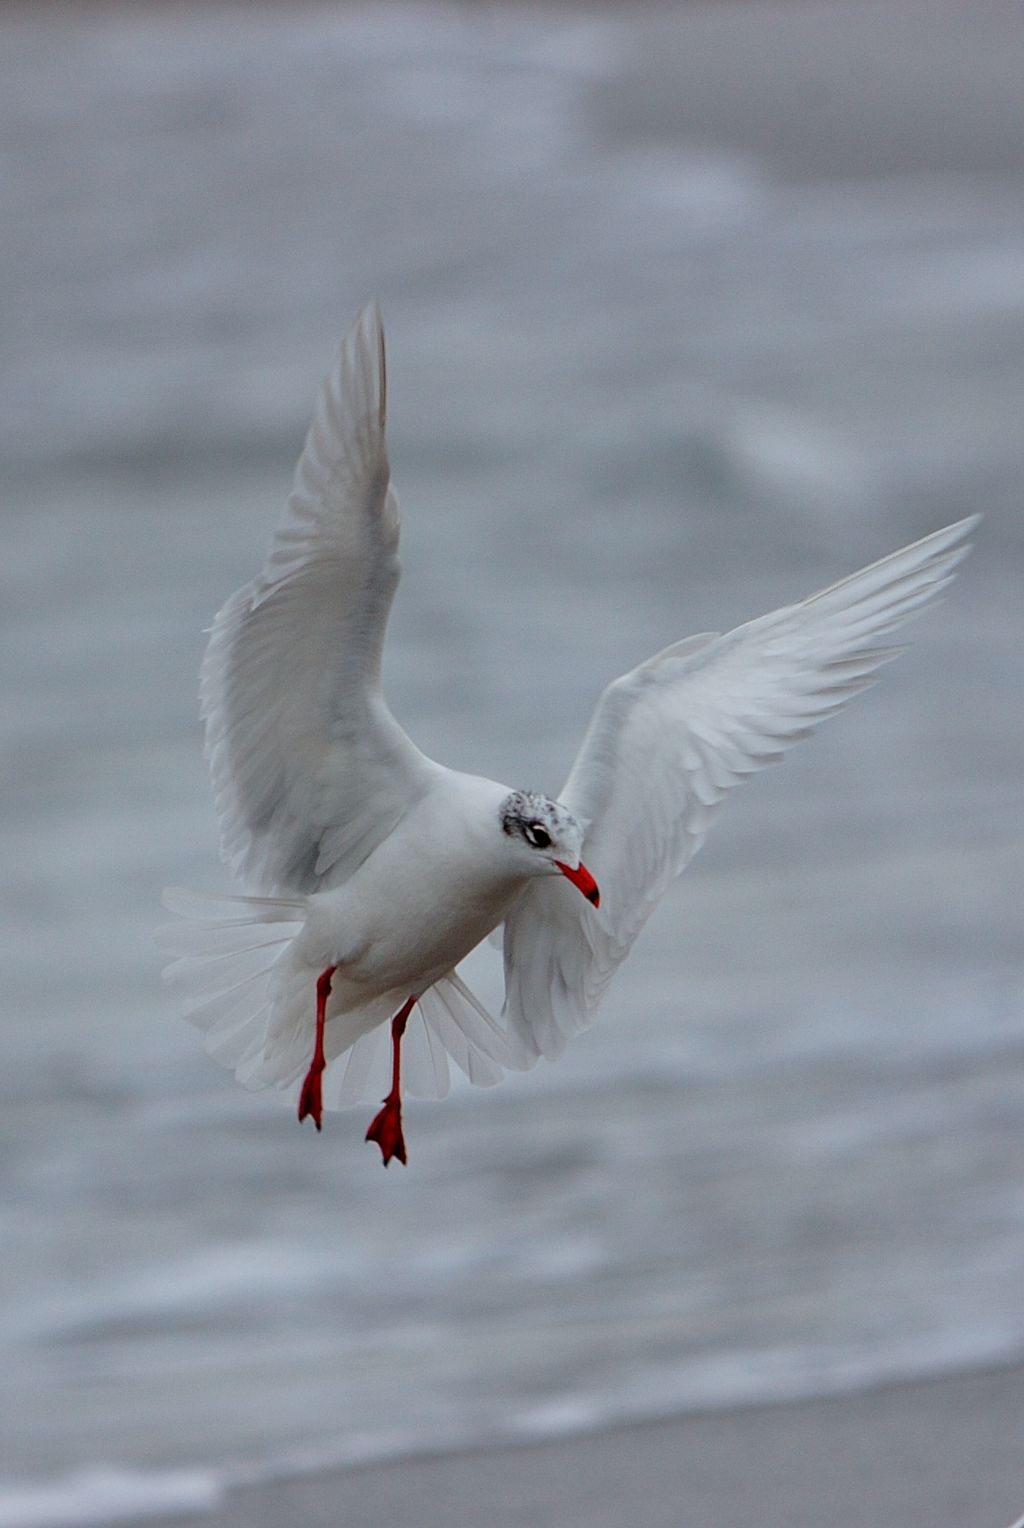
<point>433,890</point>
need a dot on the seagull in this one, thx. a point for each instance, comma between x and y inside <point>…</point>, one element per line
<point>377,870</point>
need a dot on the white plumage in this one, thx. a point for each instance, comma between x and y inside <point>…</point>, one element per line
<point>328,807</point>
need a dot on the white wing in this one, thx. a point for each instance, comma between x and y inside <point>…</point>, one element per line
<point>310,770</point>
<point>665,745</point>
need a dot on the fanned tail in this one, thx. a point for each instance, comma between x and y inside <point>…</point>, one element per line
<point>240,981</point>
<point>447,1024</point>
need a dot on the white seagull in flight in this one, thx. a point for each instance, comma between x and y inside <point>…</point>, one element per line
<point>382,869</point>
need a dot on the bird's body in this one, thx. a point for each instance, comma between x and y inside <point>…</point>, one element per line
<point>382,869</point>
<point>420,865</point>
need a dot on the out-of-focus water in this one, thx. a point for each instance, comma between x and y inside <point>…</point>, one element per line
<point>683,324</point>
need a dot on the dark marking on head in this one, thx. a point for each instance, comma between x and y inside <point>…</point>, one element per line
<point>536,819</point>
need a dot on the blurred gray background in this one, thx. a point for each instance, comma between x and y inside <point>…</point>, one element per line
<point>690,311</point>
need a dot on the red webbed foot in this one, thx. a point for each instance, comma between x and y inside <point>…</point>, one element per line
<point>386,1130</point>
<point>311,1099</point>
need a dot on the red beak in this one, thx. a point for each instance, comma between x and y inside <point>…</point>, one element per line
<point>582,878</point>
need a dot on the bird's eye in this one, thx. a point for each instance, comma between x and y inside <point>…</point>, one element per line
<point>537,835</point>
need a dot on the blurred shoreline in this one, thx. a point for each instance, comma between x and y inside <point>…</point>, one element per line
<point>943,1453</point>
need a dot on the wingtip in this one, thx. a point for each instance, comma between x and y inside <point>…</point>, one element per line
<point>367,333</point>
<point>961,529</point>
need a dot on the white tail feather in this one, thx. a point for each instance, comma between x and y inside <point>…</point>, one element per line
<point>240,981</point>
<point>447,1024</point>
<point>227,948</point>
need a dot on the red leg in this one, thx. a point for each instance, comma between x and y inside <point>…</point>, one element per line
<point>386,1128</point>
<point>311,1098</point>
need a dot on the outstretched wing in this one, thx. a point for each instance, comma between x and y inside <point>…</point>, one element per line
<point>310,770</point>
<point>666,744</point>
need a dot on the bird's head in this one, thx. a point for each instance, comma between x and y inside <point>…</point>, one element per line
<point>546,838</point>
